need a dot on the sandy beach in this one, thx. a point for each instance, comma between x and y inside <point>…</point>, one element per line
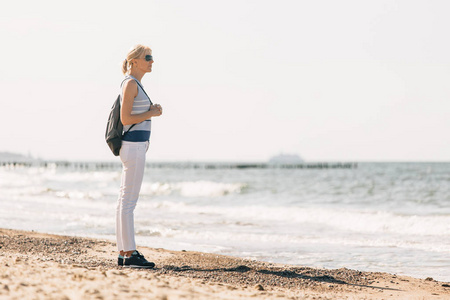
<point>43,266</point>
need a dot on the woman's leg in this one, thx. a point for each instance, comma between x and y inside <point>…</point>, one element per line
<point>132,156</point>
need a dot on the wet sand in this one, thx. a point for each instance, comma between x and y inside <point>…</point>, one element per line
<point>43,266</point>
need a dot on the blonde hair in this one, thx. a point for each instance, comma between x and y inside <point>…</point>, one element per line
<point>135,52</point>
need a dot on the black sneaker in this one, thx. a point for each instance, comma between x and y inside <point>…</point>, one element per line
<point>120,261</point>
<point>137,260</point>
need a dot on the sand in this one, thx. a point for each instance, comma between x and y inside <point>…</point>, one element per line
<point>43,266</point>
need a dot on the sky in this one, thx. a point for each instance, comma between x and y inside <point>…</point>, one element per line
<point>349,80</point>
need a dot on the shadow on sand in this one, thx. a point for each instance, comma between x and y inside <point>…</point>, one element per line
<point>285,274</point>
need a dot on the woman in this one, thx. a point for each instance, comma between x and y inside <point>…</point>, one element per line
<point>136,113</point>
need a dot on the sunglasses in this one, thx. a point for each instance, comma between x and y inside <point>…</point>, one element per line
<point>148,57</point>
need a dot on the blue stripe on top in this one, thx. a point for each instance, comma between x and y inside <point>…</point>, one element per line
<point>136,136</point>
<point>141,131</point>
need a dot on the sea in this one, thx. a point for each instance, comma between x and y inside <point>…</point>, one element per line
<point>388,217</point>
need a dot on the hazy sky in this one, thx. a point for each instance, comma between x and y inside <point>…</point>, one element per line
<point>238,80</point>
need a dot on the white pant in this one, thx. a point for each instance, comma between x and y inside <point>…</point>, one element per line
<point>132,155</point>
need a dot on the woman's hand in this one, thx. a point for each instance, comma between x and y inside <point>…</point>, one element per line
<point>156,110</point>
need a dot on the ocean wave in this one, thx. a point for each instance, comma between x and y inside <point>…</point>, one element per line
<point>188,189</point>
<point>352,221</point>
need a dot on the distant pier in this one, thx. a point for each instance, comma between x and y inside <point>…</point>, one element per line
<point>91,166</point>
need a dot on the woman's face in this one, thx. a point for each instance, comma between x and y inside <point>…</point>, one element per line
<point>145,62</point>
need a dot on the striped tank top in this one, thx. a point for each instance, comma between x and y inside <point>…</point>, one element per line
<point>141,131</point>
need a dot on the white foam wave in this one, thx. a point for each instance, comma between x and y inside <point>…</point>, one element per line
<point>74,194</point>
<point>73,176</point>
<point>287,242</point>
<point>192,188</point>
<point>356,221</point>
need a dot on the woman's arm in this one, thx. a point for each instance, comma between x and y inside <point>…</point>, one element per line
<point>130,91</point>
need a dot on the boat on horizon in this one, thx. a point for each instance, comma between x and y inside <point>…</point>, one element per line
<point>286,159</point>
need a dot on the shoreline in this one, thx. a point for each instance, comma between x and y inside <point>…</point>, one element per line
<point>45,266</point>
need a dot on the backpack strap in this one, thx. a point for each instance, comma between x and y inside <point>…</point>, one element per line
<point>151,103</point>
<point>128,130</point>
<point>137,81</point>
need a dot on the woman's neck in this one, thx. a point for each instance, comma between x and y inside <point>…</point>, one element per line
<point>136,74</point>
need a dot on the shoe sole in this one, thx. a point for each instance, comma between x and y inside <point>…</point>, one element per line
<point>139,267</point>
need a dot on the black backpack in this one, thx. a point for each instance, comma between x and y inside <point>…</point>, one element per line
<point>114,126</point>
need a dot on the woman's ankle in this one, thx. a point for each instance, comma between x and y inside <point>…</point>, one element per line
<point>126,253</point>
